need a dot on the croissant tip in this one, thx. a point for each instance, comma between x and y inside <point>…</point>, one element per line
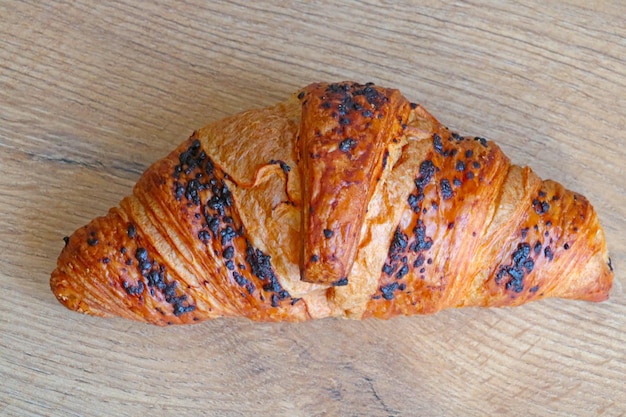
<point>59,287</point>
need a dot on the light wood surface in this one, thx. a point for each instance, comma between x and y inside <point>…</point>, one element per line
<point>91,92</point>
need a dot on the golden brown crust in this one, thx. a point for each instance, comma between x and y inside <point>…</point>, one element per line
<point>422,219</point>
<point>346,133</point>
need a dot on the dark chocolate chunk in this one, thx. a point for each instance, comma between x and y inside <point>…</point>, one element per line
<point>347,144</point>
<point>240,279</point>
<point>227,233</point>
<point>548,253</point>
<point>156,279</point>
<point>204,236</point>
<point>179,191</point>
<point>529,264</point>
<point>427,170</point>
<point>385,157</point>
<point>482,141</point>
<point>275,301</point>
<point>521,253</point>
<point>388,290</point>
<point>388,269</point>
<point>179,309</point>
<point>414,201</point>
<point>402,272</point>
<point>437,144</point>
<point>341,282</point>
<point>214,224</point>
<point>446,189</point>
<point>283,165</point>
<point>141,254</point>
<point>541,207</point>
<point>423,242</point>
<point>398,243</point>
<point>228,252</point>
<point>133,289</point>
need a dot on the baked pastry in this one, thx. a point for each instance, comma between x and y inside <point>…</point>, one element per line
<point>345,200</point>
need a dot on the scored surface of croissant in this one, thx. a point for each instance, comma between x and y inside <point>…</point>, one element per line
<point>345,200</point>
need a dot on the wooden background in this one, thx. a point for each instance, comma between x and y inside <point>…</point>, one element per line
<point>92,92</point>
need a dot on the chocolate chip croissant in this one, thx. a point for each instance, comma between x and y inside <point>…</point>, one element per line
<point>345,200</point>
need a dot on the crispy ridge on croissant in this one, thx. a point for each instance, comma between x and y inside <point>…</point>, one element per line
<point>345,200</point>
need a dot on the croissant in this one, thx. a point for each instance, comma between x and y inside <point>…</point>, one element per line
<point>346,200</point>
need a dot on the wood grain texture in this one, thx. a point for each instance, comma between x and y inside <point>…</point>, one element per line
<point>92,92</point>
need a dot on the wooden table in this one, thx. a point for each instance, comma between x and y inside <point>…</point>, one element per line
<point>92,92</point>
